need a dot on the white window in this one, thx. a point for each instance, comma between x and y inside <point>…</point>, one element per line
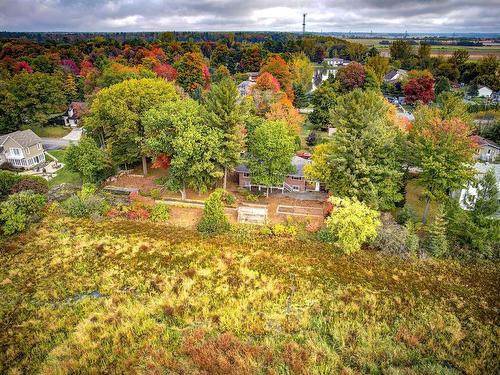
<point>28,151</point>
<point>15,151</point>
<point>295,188</point>
<point>39,146</point>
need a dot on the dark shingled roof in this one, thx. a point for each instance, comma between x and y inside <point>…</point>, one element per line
<point>296,161</point>
<point>25,138</point>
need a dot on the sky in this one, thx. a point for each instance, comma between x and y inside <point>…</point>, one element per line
<point>246,15</point>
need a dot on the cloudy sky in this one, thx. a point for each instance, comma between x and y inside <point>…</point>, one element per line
<point>273,15</point>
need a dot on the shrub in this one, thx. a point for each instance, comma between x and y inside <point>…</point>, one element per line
<point>391,239</point>
<point>20,209</point>
<point>229,198</point>
<point>35,184</point>
<point>74,206</point>
<point>85,204</point>
<point>405,214</point>
<point>351,224</point>
<point>159,212</point>
<point>436,243</point>
<point>7,181</point>
<point>214,220</point>
<point>280,230</point>
<point>155,194</point>
<point>138,199</point>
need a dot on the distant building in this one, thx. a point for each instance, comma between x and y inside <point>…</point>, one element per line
<point>484,92</point>
<point>488,150</point>
<point>335,61</point>
<point>395,75</point>
<point>22,149</point>
<point>74,113</point>
<point>252,76</point>
<point>468,196</point>
<point>295,182</point>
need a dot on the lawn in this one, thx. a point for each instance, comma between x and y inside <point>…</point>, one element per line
<point>82,296</point>
<point>64,175</point>
<point>50,131</point>
<point>415,201</point>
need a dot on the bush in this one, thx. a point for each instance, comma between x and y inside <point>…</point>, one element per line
<point>280,230</point>
<point>7,181</point>
<point>405,214</point>
<point>85,204</point>
<point>396,239</point>
<point>35,184</point>
<point>351,224</point>
<point>229,198</point>
<point>214,220</point>
<point>159,212</point>
<point>155,194</point>
<point>21,209</point>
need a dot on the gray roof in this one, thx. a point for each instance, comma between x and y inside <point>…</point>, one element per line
<point>25,138</point>
<point>296,161</point>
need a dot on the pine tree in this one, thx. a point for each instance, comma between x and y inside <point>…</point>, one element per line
<point>224,112</point>
<point>437,243</point>
<point>412,240</point>
<point>487,196</point>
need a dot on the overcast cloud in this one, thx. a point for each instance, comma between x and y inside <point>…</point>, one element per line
<point>272,15</point>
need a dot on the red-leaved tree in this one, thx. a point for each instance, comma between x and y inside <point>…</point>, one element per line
<point>165,71</point>
<point>351,76</point>
<point>266,81</point>
<point>419,89</point>
<point>23,66</point>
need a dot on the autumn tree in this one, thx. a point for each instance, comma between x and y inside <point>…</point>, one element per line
<point>444,152</point>
<point>251,58</point>
<point>116,116</point>
<point>361,160</point>
<point>115,73</point>
<point>402,50</point>
<point>178,130</point>
<point>380,66</point>
<point>278,68</point>
<point>192,72</point>
<point>424,55</point>
<point>266,81</point>
<point>351,76</point>
<point>270,150</point>
<point>302,71</point>
<point>165,71</point>
<point>284,110</point>
<point>223,111</point>
<point>419,90</point>
<point>222,72</point>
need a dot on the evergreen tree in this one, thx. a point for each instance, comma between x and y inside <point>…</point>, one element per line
<point>473,89</point>
<point>223,111</point>
<point>361,160</point>
<point>442,85</point>
<point>300,98</point>
<point>214,220</point>
<point>436,242</point>
<point>487,195</point>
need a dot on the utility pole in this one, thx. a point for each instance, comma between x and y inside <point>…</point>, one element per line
<point>304,24</point>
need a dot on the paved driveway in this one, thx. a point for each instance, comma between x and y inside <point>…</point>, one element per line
<point>54,143</point>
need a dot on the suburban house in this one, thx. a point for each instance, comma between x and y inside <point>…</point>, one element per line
<point>488,150</point>
<point>395,75</point>
<point>295,182</point>
<point>22,149</point>
<point>467,196</point>
<point>484,92</point>
<point>335,61</point>
<point>74,114</point>
<point>245,87</point>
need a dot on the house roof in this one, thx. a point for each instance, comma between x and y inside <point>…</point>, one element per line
<point>484,87</point>
<point>25,138</point>
<point>79,109</point>
<point>297,162</point>
<point>484,142</point>
<point>393,74</point>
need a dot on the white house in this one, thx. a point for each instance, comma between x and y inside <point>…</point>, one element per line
<point>484,92</point>
<point>23,149</point>
<point>73,115</point>
<point>335,61</point>
<point>468,196</point>
<point>395,75</point>
<point>488,150</point>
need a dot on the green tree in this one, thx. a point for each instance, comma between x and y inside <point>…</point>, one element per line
<point>459,58</point>
<point>442,85</point>
<point>402,50</point>
<point>371,80</point>
<point>451,105</point>
<point>214,220</point>
<point>300,98</point>
<point>270,150</point>
<point>436,242</point>
<point>30,99</point>
<point>302,71</point>
<point>351,224</point>
<point>424,55</point>
<point>473,89</point>
<point>115,116</point>
<point>222,72</point>
<point>380,66</point>
<point>223,111</point>
<point>178,130</point>
<point>362,157</point>
<point>21,209</point>
<point>88,160</point>
<point>443,151</point>
<point>324,99</point>
<point>487,202</point>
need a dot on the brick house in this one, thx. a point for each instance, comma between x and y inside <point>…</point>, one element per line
<point>295,182</point>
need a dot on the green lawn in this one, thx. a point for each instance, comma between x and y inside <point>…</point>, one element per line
<point>415,202</point>
<point>64,175</point>
<point>122,297</point>
<point>50,131</point>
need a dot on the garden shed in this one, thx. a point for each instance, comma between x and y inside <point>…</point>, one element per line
<point>252,214</point>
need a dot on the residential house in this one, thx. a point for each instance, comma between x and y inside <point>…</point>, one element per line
<point>467,196</point>
<point>22,149</point>
<point>74,113</point>
<point>335,61</point>
<point>484,92</point>
<point>395,75</point>
<point>294,182</point>
<point>245,87</point>
<point>489,151</point>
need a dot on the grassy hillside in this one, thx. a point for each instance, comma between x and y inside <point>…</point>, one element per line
<point>128,297</point>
